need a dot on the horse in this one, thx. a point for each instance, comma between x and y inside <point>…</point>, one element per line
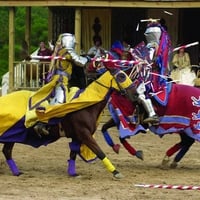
<point>177,107</point>
<point>124,121</point>
<point>121,119</point>
<point>78,123</point>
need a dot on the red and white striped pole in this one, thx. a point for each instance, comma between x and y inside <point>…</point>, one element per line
<point>179,187</point>
<point>125,62</point>
<point>186,46</point>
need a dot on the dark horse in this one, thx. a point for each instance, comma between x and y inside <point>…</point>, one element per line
<point>79,123</point>
<point>178,108</point>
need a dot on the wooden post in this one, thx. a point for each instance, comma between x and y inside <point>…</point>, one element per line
<point>50,25</point>
<point>11,48</point>
<point>28,28</point>
<point>78,29</point>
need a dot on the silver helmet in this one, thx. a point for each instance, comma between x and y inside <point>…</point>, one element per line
<point>68,41</point>
<point>153,34</point>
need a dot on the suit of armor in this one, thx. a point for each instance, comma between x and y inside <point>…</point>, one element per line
<point>63,67</point>
<point>62,70</point>
<point>152,35</point>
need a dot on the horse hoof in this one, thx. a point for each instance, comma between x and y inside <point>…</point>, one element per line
<point>118,176</point>
<point>18,174</point>
<point>139,154</point>
<point>165,161</point>
<point>116,148</point>
<point>74,175</point>
<point>173,165</point>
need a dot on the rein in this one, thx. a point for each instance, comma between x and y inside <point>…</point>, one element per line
<point>122,90</point>
<point>102,84</point>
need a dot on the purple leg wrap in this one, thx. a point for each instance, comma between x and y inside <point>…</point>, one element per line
<point>13,167</point>
<point>71,168</point>
<point>74,146</point>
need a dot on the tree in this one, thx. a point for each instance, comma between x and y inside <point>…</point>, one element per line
<point>39,32</point>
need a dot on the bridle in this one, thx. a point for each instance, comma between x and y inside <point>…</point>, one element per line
<point>121,90</point>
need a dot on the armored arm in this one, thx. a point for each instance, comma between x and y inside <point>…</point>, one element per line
<point>78,60</point>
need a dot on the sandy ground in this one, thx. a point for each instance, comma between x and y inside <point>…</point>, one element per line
<point>45,176</point>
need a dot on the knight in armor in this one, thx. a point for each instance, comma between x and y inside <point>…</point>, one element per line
<point>56,90</point>
<point>153,33</point>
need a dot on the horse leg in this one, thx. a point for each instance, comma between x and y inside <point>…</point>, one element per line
<point>90,142</point>
<point>74,148</point>
<point>186,143</point>
<point>109,124</point>
<point>7,151</point>
<point>131,149</point>
<point>171,151</point>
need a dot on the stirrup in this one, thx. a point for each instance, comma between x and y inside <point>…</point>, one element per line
<point>41,129</point>
<point>154,120</point>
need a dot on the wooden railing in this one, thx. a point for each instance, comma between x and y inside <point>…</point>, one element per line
<point>29,75</point>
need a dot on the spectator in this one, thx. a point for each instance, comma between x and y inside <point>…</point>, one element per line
<point>44,51</point>
<point>126,45</point>
<point>43,68</point>
<point>181,59</point>
<point>96,50</point>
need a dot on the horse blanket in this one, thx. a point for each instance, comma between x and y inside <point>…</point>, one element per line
<point>181,113</point>
<point>13,115</point>
<point>123,113</point>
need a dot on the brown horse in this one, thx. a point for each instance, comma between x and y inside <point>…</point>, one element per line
<point>79,125</point>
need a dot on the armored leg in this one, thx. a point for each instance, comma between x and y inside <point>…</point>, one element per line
<point>153,118</point>
<point>41,129</point>
<point>59,96</point>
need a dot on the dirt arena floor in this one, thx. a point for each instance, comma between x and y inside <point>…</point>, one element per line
<point>45,176</point>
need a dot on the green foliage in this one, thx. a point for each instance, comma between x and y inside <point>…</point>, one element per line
<point>39,32</point>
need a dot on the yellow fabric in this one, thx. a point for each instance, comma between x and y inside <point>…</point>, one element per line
<point>13,108</point>
<point>88,21</point>
<point>72,92</point>
<point>43,92</point>
<point>86,153</point>
<point>64,65</point>
<point>31,116</point>
<point>108,164</point>
<point>93,94</point>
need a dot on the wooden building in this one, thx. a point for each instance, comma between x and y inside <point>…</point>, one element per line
<point>112,20</point>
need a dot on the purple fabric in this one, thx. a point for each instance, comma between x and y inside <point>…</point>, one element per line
<point>20,134</point>
<point>74,146</point>
<point>13,167</point>
<point>71,168</point>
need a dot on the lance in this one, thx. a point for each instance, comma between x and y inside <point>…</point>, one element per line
<point>186,46</point>
<point>125,62</point>
<point>179,187</point>
<point>48,57</point>
<point>149,20</point>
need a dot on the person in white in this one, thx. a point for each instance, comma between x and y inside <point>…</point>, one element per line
<point>97,49</point>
